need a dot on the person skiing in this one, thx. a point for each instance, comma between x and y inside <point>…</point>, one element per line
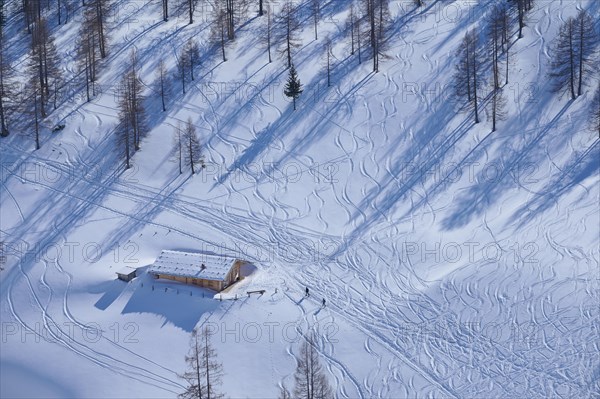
<point>323,302</point>
<point>307,294</point>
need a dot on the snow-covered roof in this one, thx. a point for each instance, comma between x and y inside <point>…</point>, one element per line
<point>192,265</point>
<point>126,270</point>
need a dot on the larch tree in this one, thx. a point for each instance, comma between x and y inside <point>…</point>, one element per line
<point>587,43</point>
<point>193,55</point>
<point>191,7</point>
<point>44,59</point>
<point>59,11</point>
<point>574,55</point>
<point>32,11</point>
<point>310,379</point>
<point>502,20</point>
<point>100,11</point>
<point>378,21</point>
<point>68,5</point>
<point>162,83</point>
<point>358,28</point>
<point>131,126</point>
<point>315,10</point>
<point>562,67</point>
<point>235,12</point>
<point>328,60</point>
<point>178,146</point>
<point>88,52</point>
<point>494,43</point>
<point>204,371</point>
<point>350,27</point>
<point>165,10</point>
<point>293,87</point>
<point>468,73</point>
<point>33,96</point>
<point>192,150</point>
<point>288,27</point>
<point>268,36</point>
<point>6,85</point>
<point>521,8</point>
<point>497,106</point>
<point>183,65</point>
<point>218,32</point>
<point>494,47</point>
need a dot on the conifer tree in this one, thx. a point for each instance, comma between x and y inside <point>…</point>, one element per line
<point>293,87</point>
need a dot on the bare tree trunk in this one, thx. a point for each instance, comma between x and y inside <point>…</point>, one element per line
<point>352,28</point>
<point>207,360</point>
<point>196,348</point>
<point>581,52</point>
<point>507,50</point>
<point>571,61</point>
<point>288,41</point>
<point>101,36</point>
<point>358,41</point>
<point>316,9</point>
<point>269,29</point>
<point>162,85</point>
<point>36,120</point>
<point>474,62</point>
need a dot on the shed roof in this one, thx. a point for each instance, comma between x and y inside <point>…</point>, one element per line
<point>192,265</point>
<point>126,270</point>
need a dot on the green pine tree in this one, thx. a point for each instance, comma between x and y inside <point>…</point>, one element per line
<point>293,87</point>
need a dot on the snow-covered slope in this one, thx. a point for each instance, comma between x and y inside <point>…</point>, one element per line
<point>455,262</point>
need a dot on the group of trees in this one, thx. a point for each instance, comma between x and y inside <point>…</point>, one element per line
<point>6,89</point>
<point>131,127</point>
<point>369,23</point>
<point>188,60</point>
<point>40,94</point>
<point>479,56</point>
<point>187,147</point>
<point>43,75</point>
<point>483,59</point>
<point>574,56</point>
<point>92,43</point>
<point>43,78</point>
<point>204,372</point>
<point>310,380</point>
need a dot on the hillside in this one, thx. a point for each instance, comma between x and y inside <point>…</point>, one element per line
<point>455,261</point>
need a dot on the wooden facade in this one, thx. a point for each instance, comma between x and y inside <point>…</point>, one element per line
<point>218,285</point>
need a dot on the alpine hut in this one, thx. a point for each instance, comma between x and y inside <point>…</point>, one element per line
<point>211,271</point>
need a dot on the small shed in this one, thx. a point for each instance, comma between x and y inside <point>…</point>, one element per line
<point>126,274</point>
<point>211,271</point>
